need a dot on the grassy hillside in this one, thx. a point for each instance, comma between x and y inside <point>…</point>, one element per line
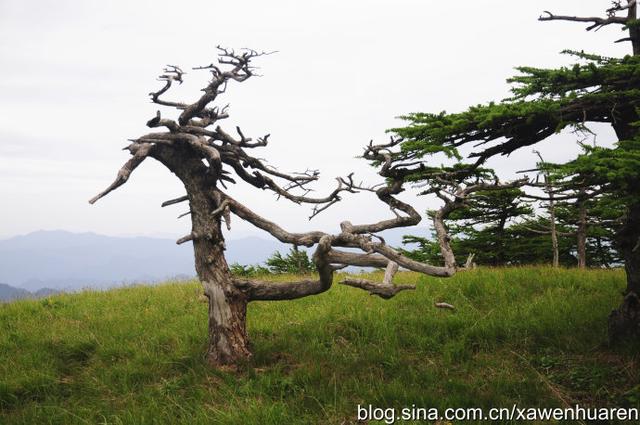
<point>134,356</point>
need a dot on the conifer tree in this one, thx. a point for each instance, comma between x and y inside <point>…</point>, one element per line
<point>578,208</point>
<point>546,101</point>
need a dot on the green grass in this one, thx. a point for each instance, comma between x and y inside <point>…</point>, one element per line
<point>532,336</point>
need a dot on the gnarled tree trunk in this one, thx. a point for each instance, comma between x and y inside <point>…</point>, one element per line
<point>228,341</point>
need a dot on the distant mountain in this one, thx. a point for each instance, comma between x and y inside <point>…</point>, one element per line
<point>9,293</point>
<point>45,292</point>
<point>64,260</point>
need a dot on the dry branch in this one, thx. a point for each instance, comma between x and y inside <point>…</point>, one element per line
<point>383,290</point>
<point>139,152</point>
<point>596,22</point>
<point>175,201</point>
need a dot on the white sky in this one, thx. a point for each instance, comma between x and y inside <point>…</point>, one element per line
<point>74,78</point>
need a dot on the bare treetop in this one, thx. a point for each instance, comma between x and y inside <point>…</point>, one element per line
<point>195,128</point>
<point>626,7</point>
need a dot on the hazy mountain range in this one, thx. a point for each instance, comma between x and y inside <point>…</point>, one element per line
<point>61,260</point>
<point>10,293</point>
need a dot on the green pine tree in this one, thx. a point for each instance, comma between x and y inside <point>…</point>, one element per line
<point>296,262</point>
<point>546,101</point>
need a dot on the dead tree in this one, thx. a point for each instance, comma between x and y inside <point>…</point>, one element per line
<point>203,156</point>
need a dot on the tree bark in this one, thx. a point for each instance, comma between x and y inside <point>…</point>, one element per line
<point>552,224</point>
<point>581,234</point>
<point>443,237</point>
<point>228,340</point>
<point>634,30</point>
<point>624,322</point>
<point>498,259</point>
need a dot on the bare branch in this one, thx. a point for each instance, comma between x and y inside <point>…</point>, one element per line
<point>385,194</point>
<point>158,121</point>
<point>445,306</point>
<point>383,290</point>
<point>618,6</point>
<point>171,73</point>
<point>391,270</point>
<point>596,22</point>
<point>275,291</point>
<point>218,211</point>
<point>139,152</point>
<point>184,145</point>
<point>302,239</point>
<point>191,236</point>
<point>458,200</point>
<point>175,201</point>
<point>357,259</point>
<point>241,71</point>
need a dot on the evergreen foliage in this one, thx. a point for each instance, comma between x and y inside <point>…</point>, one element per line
<point>544,102</point>
<point>242,270</point>
<point>519,245</point>
<point>296,261</point>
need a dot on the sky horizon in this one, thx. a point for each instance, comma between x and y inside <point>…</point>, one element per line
<point>76,78</point>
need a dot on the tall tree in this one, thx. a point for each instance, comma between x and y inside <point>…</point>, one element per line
<point>549,190</point>
<point>545,101</point>
<point>577,203</point>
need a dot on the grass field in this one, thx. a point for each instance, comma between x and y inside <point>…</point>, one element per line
<point>532,336</point>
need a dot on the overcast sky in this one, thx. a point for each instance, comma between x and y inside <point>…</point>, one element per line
<point>74,79</point>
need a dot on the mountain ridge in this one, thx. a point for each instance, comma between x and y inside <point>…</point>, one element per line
<point>63,260</point>
<point>11,293</point>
